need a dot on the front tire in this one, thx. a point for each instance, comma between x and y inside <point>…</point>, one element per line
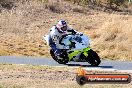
<point>93,58</point>
<point>60,61</point>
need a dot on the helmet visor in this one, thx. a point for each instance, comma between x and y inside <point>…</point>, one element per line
<point>64,28</point>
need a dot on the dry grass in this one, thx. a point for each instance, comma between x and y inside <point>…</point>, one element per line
<point>115,37</point>
<point>28,76</point>
<point>22,28</point>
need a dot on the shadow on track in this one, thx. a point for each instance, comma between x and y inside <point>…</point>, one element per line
<point>88,65</point>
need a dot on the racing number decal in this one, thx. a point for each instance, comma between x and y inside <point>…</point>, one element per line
<point>55,38</point>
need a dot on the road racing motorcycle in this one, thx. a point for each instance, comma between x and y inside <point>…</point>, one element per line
<point>76,48</point>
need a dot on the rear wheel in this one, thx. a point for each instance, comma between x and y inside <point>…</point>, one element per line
<point>62,60</point>
<point>93,58</point>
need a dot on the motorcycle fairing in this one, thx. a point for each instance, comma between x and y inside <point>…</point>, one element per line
<point>76,52</point>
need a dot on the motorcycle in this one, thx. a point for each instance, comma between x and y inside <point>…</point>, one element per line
<point>76,48</point>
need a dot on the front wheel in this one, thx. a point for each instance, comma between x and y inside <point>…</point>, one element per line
<point>60,61</point>
<point>93,58</point>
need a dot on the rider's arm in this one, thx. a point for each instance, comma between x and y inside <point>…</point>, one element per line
<point>71,31</point>
<point>61,39</point>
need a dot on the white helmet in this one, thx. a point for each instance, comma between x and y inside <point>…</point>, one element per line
<point>62,26</point>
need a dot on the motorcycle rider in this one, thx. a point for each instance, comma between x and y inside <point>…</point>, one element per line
<point>57,32</point>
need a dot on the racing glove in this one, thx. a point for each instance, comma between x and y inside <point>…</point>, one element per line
<point>79,33</point>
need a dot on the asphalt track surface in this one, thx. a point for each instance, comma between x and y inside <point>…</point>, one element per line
<point>105,64</point>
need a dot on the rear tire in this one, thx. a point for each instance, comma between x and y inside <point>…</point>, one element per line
<point>60,61</point>
<point>93,58</point>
